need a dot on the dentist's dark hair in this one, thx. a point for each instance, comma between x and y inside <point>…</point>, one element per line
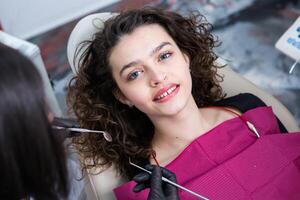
<point>32,158</point>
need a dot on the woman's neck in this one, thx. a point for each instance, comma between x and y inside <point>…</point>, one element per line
<point>181,128</point>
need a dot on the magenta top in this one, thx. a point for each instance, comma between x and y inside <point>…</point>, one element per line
<point>231,162</point>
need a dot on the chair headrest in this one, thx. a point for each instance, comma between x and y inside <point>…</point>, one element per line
<point>84,31</point>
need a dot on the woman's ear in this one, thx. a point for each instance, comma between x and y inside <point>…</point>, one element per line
<point>120,97</point>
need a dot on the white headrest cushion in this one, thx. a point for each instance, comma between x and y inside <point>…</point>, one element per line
<point>84,31</point>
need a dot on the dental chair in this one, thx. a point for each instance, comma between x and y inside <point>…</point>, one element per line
<point>100,186</point>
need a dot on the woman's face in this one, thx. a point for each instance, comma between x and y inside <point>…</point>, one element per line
<point>151,72</point>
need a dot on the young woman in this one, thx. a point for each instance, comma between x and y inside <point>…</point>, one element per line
<point>150,79</point>
<point>32,158</point>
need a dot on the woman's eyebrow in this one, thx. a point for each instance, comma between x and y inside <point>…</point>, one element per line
<point>159,47</point>
<point>156,49</point>
<point>128,66</point>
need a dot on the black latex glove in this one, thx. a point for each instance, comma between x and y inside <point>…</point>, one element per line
<point>159,190</point>
<point>66,123</point>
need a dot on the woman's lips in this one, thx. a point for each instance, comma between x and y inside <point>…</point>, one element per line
<point>166,93</point>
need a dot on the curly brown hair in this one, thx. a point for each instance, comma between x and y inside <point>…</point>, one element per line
<point>91,91</point>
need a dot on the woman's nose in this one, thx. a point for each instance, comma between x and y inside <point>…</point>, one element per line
<point>157,77</point>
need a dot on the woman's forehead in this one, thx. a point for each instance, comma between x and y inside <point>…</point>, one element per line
<point>142,37</point>
<point>139,43</point>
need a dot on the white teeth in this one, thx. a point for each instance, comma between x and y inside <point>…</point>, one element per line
<point>169,91</point>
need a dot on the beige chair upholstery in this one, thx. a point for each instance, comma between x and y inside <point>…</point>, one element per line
<point>101,185</point>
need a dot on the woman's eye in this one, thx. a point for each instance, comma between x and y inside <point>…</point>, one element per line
<point>133,75</point>
<point>164,56</point>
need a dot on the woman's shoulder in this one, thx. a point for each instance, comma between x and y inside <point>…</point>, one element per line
<point>242,102</point>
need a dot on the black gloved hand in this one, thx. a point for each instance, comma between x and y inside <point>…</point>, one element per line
<point>65,123</point>
<point>159,190</point>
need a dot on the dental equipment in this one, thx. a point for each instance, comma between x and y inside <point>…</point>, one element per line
<point>106,135</point>
<point>170,182</point>
<point>293,66</point>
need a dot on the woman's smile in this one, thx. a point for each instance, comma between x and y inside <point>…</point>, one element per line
<point>166,93</point>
